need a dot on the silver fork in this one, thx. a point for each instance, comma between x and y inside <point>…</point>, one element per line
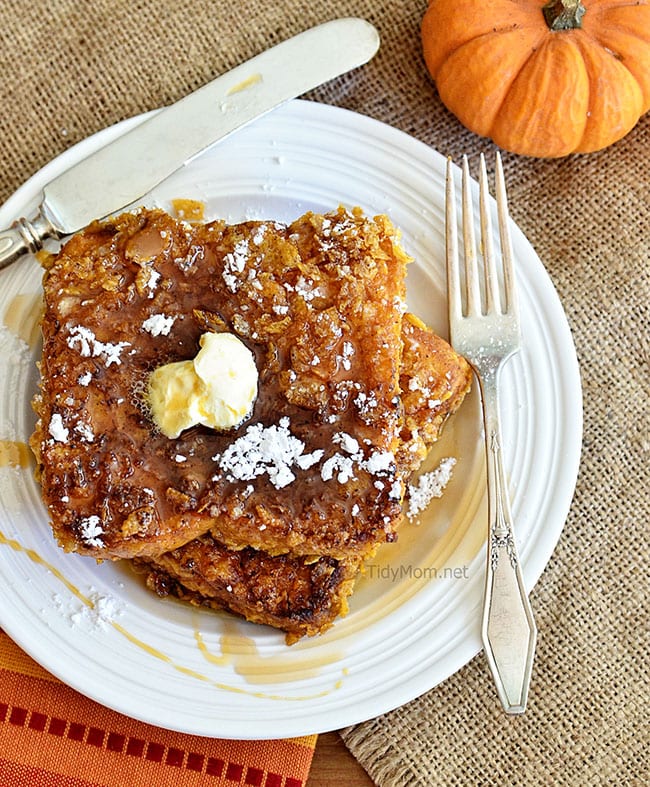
<point>484,328</point>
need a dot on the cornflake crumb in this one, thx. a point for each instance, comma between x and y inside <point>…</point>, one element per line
<point>429,486</point>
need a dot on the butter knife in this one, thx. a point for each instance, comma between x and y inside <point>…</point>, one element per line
<point>126,169</point>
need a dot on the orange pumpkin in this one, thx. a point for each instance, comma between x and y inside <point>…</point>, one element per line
<point>571,76</point>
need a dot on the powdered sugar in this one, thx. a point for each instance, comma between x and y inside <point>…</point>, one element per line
<point>90,530</point>
<point>86,342</point>
<point>234,263</point>
<point>265,450</point>
<point>344,466</point>
<point>84,431</point>
<point>380,462</point>
<point>15,351</point>
<point>348,443</point>
<point>97,612</point>
<point>275,452</point>
<point>429,486</point>
<point>344,358</point>
<point>258,238</point>
<point>307,289</point>
<point>339,466</point>
<point>57,430</point>
<point>158,324</point>
<point>152,281</point>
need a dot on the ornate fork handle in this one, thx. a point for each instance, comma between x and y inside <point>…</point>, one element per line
<point>484,327</point>
<point>508,628</point>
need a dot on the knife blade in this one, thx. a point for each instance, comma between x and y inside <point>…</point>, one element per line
<point>126,169</point>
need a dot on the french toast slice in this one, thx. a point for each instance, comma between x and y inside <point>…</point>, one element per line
<point>319,303</point>
<point>299,595</point>
<point>303,596</point>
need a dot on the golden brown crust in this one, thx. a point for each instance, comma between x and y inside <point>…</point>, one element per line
<point>363,388</point>
<point>434,381</point>
<point>300,595</point>
<point>320,305</point>
<point>304,597</point>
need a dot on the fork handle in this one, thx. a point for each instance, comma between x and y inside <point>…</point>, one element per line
<point>508,629</point>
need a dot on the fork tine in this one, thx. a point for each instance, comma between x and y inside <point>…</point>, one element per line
<point>472,285</point>
<point>512,306</point>
<point>451,234</point>
<point>492,296</point>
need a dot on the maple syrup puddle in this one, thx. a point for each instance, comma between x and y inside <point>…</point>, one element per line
<point>23,317</point>
<point>15,453</point>
<point>242,653</point>
<point>237,651</point>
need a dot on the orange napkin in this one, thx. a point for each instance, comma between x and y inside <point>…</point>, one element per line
<point>52,736</point>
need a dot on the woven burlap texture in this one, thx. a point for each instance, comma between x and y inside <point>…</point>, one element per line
<point>69,69</point>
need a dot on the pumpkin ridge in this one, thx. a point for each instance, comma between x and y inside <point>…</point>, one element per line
<point>627,120</point>
<point>506,96</point>
<point>443,79</point>
<point>504,31</point>
<point>590,98</point>
<point>623,61</point>
<point>493,32</point>
<point>635,33</point>
<point>604,44</point>
<point>449,24</point>
<point>606,29</point>
<point>553,134</point>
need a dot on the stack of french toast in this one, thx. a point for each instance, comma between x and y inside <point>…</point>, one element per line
<point>272,518</point>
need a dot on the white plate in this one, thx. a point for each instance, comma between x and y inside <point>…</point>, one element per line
<point>101,632</point>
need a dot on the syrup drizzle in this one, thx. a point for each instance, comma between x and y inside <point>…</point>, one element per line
<point>15,453</point>
<point>236,650</point>
<point>23,317</point>
<point>243,654</point>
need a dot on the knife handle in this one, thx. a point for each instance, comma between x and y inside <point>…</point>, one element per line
<point>24,237</point>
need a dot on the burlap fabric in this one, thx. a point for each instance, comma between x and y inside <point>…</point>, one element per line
<point>69,69</point>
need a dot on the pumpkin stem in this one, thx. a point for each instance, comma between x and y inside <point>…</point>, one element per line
<point>564,14</point>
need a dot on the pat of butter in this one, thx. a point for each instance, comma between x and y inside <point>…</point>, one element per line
<point>216,389</point>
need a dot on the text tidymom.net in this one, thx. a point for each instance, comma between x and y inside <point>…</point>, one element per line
<point>409,571</point>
